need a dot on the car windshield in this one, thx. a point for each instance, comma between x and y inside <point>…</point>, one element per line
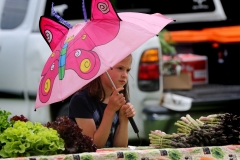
<point>70,10</point>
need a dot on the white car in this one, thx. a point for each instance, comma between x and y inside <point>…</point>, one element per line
<point>23,53</point>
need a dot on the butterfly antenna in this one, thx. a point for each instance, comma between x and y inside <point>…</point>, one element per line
<point>84,10</point>
<point>59,18</point>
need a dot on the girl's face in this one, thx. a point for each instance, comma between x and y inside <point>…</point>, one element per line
<point>119,74</point>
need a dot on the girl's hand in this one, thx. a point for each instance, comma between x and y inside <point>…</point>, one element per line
<point>126,111</point>
<point>116,101</point>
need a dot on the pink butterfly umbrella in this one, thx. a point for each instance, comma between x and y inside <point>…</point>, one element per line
<point>82,52</point>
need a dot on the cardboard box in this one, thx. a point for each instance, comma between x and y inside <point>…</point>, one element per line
<point>194,64</point>
<point>177,82</point>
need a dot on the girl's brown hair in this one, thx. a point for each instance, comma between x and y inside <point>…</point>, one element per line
<point>95,90</point>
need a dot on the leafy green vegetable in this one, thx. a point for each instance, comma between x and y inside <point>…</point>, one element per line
<point>86,157</point>
<point>28,139</point>
<point>167,46</point>
<point>110,155</point>
<point>237,150</point>
<point>4,123</point>
<point>196,151</point>
<point>130,156</point>
<point>217,152</point>
<point>174,154</point>
<point>68,157</point>
<point>20,118</point>
<point>75,141</point>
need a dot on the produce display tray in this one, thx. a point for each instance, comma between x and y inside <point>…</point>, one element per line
<point>146,153</point>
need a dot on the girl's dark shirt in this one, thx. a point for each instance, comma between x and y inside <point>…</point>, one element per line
<point>84,106</point>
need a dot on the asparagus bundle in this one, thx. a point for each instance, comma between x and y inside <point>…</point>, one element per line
<point>226,128</point>
<point>213,130</point>
<point>186,124</point>
<point>160,139</point>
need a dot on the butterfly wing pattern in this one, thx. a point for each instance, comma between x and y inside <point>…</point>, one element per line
<point>72,49</point>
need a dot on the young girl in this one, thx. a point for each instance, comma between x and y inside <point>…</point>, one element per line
<point>102,111</point>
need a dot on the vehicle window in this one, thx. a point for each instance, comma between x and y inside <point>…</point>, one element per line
<point>164,6</point>
<point>68,10</point>
<point>14,12</point>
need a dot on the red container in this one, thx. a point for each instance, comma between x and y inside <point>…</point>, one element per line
<point>194,64</point>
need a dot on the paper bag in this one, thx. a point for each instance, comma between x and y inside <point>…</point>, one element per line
<point>178,82</point>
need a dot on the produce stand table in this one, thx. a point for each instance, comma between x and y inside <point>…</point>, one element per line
<point>229,152</point>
